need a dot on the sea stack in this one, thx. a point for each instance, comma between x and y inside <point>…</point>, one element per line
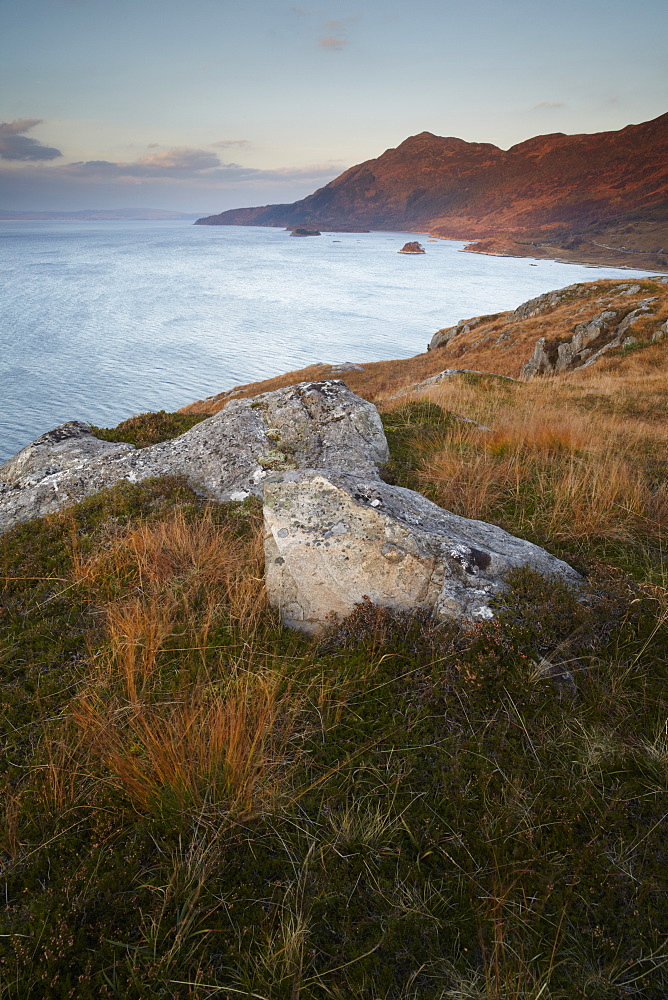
<point>412,247</point>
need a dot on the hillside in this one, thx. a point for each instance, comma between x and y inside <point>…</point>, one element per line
<point>606,188</point>
<point>196,801</point>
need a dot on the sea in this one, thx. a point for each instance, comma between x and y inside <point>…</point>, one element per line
<point>103,320</point>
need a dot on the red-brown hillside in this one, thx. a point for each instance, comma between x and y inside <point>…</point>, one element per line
<point>548,184</point>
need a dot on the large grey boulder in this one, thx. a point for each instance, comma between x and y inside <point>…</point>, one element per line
<point>332,538</point>
<point>228,455</point>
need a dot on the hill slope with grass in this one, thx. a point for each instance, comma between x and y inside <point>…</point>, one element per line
<point>197,802</point>
<point>602,196</point>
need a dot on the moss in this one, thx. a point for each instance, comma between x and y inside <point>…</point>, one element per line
<point>150,428</point>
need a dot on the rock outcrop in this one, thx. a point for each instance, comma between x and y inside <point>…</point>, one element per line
<point>301,231</point>
<point>321,424</point>
<point>66,447</point>
<point>561,330</point>
<point>412,247</point>
<point>448,333</point>
<point>591,340</point>
<point>332,539</point>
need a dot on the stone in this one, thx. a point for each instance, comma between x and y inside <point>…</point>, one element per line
<point>443,337</point>
<point>589,341</point>
<point>346,366</point>
<point>412,247</point>
<point>65,447</point>
<point>335,538</point>
<point>660,334</point>
<point>226,456</point>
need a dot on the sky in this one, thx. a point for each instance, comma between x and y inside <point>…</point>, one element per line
<point>203,105</point>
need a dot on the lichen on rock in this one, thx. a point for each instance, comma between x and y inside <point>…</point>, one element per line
<point>333,539</point>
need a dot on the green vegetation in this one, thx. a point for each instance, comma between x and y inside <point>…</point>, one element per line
<point>197,803</point>
<point>150,428</point>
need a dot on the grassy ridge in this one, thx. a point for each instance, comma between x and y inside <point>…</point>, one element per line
<point>197,803</point>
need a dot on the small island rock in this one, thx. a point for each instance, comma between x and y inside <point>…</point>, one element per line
<point>305,232</point>
<point>412,247</point>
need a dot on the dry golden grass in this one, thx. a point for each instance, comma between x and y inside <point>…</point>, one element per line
<point>169,580</point>
<point>137,630</point>
<point>165,716</point>
<point>190,554</point>
<point>549,466</point>
<point>219,744</point>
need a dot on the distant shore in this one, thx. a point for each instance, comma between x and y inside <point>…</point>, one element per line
<point>587,252</point>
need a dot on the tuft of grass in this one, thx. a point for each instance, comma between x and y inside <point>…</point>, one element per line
<point>549,470</point>
<point>222,744</point>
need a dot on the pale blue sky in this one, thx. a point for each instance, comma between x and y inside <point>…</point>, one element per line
<point>211,104</point>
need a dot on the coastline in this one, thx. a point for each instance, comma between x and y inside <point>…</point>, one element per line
<point>590,254</point>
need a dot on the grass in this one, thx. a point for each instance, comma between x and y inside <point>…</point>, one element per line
<point>567,464</point>
<point>150,428</point>
<point>197,803</point>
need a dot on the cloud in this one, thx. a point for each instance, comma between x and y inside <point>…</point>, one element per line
<point>14,145</point>
<point>182,164</point>
<point>335,38</point>
<point>332,42</point>
<point>548,105</point>
<point>182,177</point>
<point>181,158</point>
<point>227,143</point>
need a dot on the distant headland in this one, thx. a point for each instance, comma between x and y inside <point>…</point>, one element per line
<point>96,215</point>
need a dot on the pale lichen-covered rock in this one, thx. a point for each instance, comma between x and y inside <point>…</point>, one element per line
<point>65,447</point>
<point>332,539</point>
<point>443,376</point>
<point>228,455</point>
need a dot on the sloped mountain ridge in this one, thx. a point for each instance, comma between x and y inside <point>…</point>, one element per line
<point>546,187</point>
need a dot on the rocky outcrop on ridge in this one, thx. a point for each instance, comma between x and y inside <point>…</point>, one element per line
<point>333,539</point>
<point>590,341</point>
<point>319,424</point>
<point>569,328</point>
<point>500,344</point>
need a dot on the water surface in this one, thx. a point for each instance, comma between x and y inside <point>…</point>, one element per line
<point>100,320</point>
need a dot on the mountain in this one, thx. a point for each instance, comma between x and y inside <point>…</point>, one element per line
<point>549,187</point>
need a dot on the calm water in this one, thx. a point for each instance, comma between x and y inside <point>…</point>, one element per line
<point>102,320</point>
